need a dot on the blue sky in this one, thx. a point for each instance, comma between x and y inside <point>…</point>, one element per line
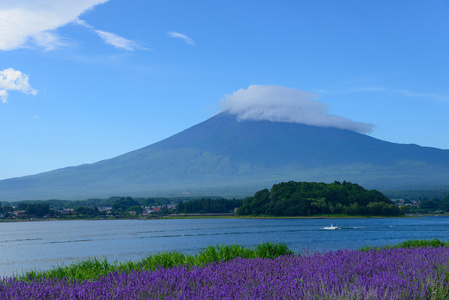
<point>82,81</point>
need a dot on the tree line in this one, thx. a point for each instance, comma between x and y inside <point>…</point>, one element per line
<point>205,206</point>
<point>432,205</point>
<point>95,202</point>
<point>283,199</point>
<point>313,198</point>
<point>31,209</point>
<point>101,208</point>
<point>119,206</point>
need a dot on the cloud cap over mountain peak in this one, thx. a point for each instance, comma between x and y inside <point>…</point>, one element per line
<point>283,104</point>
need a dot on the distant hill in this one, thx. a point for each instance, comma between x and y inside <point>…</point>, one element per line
<point>224,156</point>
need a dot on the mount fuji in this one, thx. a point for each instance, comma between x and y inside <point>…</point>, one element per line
<point>231,157</point>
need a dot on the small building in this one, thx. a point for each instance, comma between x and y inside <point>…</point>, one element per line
<point>107,209</point>
<point>18,213</point>
<point>65,211</point>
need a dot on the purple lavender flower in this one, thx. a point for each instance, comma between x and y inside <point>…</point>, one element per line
<point>404,273</point>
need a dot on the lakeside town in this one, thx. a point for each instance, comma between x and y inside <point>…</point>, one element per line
<point>127,207</point>
<point>43,211</point>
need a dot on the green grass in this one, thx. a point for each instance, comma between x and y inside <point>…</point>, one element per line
<point>93,268</point>
<point>411,244</point>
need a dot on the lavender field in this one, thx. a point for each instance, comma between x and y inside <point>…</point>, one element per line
<point>387,273</point>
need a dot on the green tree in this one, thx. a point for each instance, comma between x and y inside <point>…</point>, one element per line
<point>137,208</point>
<point>122,204</point>
<point>22,206</point>
<point>432,204</point>
<point>86,212</point>
<point>320,206</point>
<point>404,209</point>
<point>444,203</point>
<point>39,210</point>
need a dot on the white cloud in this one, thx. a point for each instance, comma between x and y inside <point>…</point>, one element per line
<point>12,80</point>
<point>116,41</point>
<point>181,36</point>
<point>111,38</point>
<point>25,23</point>
<point>282,104</point>
<point>3,96</point>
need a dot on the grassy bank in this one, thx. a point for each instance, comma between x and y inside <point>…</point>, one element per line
<point>93,268</point>
<point>416,269</point>
<point>435,243</point>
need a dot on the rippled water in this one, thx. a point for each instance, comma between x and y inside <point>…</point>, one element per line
<point>41,245</point>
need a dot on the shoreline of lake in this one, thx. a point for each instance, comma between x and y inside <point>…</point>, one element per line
<point>215,216</point>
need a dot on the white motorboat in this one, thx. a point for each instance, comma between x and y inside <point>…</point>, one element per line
<point>332,227</point>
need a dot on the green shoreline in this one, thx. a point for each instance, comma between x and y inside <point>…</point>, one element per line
<point>215,216</point>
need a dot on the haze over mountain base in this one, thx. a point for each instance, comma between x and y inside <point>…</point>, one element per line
<point>227,157</point>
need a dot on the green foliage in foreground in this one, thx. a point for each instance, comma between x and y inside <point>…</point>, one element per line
<point>411,244</point>
<point>93,268</point>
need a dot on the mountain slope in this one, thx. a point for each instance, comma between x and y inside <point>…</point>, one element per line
<point>228,157</point>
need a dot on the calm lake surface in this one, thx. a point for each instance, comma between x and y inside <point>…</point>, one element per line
<point>29,246</point>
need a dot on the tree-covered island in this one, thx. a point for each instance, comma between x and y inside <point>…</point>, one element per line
<point>313,198</point>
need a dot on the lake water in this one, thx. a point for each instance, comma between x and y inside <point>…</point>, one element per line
<point>40,245</point>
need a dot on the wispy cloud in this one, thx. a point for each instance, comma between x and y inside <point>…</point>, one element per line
<point>435,96</point>
<point>26,23</point>
<point>111,38</point>
<point>116,41</point>
<point>404,92</point>
<point>282,104</point>
<point>12,80</point>
<point>366,89</point>
<point>49,41</point>
<point>181,36</point>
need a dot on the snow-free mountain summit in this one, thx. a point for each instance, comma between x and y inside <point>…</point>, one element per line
<point>225,155</point>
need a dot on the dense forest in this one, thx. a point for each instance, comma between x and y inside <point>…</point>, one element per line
<point>208,206</point>
<point>433,205</point>
<point>313,198</point>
